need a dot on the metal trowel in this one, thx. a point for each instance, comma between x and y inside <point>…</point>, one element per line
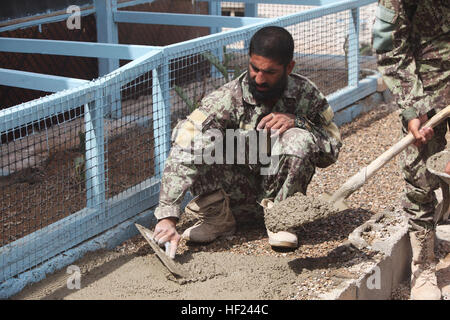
<point>169,263</point>
<point>356,181</point>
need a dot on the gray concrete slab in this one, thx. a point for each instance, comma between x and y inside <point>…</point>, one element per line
<point>389,236</point>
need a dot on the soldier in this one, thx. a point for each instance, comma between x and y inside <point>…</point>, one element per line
<point>412,39</point>
<point>267,97</point>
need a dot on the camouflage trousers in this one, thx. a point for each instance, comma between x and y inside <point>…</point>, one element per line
<point>419,200</point>
<point>246,185</point>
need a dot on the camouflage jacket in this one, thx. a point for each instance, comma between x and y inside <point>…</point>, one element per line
<point>233,107</point>
<point>412,39</point>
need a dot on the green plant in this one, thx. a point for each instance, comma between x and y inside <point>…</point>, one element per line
<point>223,67</point>
<point>82,143</point>
<point>80,162</point>
<point>228,57</point>
<point>191,104</point>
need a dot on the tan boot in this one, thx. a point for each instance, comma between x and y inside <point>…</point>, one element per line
<point>215,217</point>
<point>423,267</point>
<point>281,239</point>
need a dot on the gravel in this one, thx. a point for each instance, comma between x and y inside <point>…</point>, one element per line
<point>364,139</point>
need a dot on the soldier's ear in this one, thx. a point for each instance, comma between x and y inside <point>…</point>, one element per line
<point>290,67</point>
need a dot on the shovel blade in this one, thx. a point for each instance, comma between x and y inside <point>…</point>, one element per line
<point>338,204</point>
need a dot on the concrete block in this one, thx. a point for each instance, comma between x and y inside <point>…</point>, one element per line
<point>401,256</point>
<point>382,276</point>
<point>376,284</point>
<point>349,293</point>
<point>346,291</point>
<point>397,250</point>
<point>443,236</point>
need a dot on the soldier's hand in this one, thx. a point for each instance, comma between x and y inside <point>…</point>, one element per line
<point>166,232</point>
<point>447,168</point>
<point>422,135</point>
<point>277,122</point>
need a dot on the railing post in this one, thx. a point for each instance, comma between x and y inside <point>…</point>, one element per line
<point>161,115</point>
<point>353,48</point>
<point>107,33</point>
<point>215,8</point>
<point>251,10</point>
<point>95,152</point>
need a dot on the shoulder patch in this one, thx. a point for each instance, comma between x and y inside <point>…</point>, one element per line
<point>197,117</point>
<point>327,115</point>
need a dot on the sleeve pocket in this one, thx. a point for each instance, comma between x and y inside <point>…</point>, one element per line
<point>383,29</point>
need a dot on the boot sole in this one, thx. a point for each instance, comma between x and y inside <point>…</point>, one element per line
<point>282,244</point>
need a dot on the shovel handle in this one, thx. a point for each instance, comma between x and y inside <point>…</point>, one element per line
<point>355,182</point>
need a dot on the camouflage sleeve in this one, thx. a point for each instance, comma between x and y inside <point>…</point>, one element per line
<point>319,120</point>
<point>191,139</point>
<point>393,40</point>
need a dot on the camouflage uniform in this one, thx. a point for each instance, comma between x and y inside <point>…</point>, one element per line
<point>412,39</point>
<point>232,106</point>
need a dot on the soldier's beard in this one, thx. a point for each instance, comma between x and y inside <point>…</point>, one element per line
<point>274,91</point>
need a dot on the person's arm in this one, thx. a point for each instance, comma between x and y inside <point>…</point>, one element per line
<point>190,137</point>
<point>422,135</point>
<point>178,176</point>
<point>165,231</point>
<point>447,168</point>
<point>393,40</point>
<point>278,122</point>
<point>316,115</point>
<point>318,120</point>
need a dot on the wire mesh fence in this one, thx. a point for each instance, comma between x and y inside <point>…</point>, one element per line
<point>68,66</point>
<point>61,182</point>
<point>266,10</point>
<point>87,68</point>
<point>69,170</point>
<point>42,175</point>
<point>366,51</point>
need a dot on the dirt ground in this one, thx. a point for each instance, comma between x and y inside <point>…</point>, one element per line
<point>221,270</point>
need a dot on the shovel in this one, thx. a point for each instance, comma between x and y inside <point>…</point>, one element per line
<point>337,199</point>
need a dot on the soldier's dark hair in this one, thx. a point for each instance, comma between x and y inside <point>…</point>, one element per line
<point>274,43</point>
